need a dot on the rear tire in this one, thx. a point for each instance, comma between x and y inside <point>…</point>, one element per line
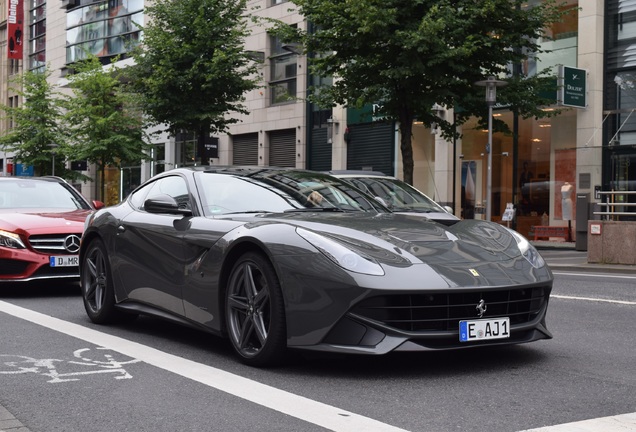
<point>255,311</point>
<point>97,286</point>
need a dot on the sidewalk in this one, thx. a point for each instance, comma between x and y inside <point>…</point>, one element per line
<point>562,256</point>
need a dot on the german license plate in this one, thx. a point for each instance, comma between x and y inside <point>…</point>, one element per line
<point>484,329</point>
<point>64,261</point>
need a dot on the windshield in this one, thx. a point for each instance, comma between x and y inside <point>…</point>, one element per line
<point>398,195</point>
<point>38,194</point>
<point>278,191</point>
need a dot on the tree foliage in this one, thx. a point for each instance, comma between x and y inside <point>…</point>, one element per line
<point>105,126</point>
<point>37,130</point>
<point>192,69</point>
<point>407,55</point>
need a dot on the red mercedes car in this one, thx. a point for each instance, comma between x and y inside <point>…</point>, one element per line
<point>41,223</point>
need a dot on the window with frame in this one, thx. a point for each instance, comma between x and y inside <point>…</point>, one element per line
<point>37,35</point>
<point>13,103</point>
<point>186,148</point>
<point>103,28</point>
<point>158,153</point>
<point>283,66</point>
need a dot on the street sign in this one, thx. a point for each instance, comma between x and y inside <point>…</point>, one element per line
<point>572,87</point>
<point>24,170</point>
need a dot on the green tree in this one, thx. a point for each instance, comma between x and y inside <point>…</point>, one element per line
<point>191,70</point>
<point>37,135</point>
<point>105,126</point>
<point>407,55</point>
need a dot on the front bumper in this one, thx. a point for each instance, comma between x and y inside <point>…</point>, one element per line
<point>359,335</point>
<point>25,266</point>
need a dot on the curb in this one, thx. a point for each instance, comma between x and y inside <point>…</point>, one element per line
<point>594,268</point>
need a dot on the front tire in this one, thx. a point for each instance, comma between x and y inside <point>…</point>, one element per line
<point>255,313</point>
<point>97,285</point>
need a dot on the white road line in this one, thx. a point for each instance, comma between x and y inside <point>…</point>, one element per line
<point>586,274</point>
<point>623,302</point>
<point>619,423</point>
<point>326,416</point>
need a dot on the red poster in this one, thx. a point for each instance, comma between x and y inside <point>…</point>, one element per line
<point>15,36</point>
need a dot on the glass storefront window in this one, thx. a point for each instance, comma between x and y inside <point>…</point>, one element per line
<point>530,176</point>
<point>130,179</point>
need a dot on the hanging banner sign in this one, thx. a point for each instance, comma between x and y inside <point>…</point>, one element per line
<point>572,87</point>
<point>15,34</point>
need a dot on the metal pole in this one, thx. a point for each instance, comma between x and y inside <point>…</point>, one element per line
<point>53,165</point>
<point>489,177</point>
<point>491,85</point>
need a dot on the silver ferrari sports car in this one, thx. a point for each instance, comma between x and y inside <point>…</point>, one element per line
<point>277,259</point>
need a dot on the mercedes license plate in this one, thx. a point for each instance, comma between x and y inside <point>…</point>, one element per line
<point>64,261</point>
<point>484,329</point>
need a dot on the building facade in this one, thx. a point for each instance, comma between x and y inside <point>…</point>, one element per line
<point>584,148</point>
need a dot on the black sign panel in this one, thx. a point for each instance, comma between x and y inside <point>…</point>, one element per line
<point>79,165</point>
<point>210,149</point>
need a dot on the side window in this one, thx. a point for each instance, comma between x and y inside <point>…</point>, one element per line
<point>137,199</point>
<point>174,186</point>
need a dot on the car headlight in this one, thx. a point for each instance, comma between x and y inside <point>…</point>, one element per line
<point>11,240</point>
<point>342,255</point>
<point>528,251</point>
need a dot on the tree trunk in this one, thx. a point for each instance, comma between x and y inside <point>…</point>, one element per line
<point>406,146</point>
<point>202,135</point>
<point>102,168</point>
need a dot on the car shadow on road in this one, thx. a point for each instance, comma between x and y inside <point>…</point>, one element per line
<point>419,364</point>
<point>39,289</point>
<point>397,365</point>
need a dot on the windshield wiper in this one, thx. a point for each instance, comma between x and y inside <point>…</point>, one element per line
<point>411,210</point>
<point>314,210</point>
<point>245,212</point>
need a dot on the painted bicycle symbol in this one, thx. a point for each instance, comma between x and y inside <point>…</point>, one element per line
<point>18,364</point>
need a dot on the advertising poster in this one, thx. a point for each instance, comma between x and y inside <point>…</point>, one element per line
<point>15,27</point>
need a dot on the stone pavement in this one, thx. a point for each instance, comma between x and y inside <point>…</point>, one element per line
<point>8,423</point>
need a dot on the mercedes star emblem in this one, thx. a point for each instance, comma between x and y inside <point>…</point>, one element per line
<point>72,244</point>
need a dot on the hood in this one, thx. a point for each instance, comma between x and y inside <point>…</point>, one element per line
<point>412,237</point>
<point>41,221</point>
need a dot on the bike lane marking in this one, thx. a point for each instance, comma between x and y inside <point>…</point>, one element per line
<point>587,274</point>
<point>318,413</point>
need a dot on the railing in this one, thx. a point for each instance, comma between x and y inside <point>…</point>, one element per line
<point>613,209</point>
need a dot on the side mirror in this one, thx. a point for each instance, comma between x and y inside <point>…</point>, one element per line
<point>98,204</point>
<point>165,204</point>
<point>449,209</point>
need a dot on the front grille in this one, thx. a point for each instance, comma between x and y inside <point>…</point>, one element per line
<point>443,311</point>
<point>50,243</point>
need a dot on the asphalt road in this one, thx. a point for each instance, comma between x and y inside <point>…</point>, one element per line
<point>59,372</point>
